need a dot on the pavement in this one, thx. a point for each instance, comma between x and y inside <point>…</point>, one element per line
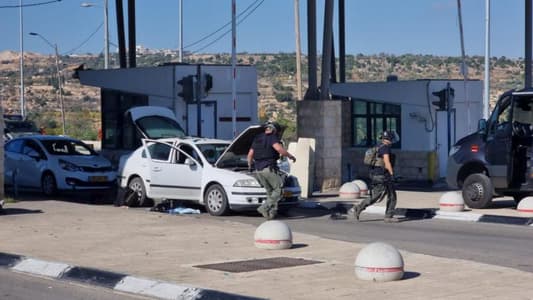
<point>158,255</point>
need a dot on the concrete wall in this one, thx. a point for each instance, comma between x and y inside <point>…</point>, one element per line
<point>323,121</point>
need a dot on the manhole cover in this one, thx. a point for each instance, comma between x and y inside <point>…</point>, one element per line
<point>259,264</point>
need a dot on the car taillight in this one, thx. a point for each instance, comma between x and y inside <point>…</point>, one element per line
<point>474,148</point>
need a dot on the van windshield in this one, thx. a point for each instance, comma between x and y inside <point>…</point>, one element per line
<point>156,127</point>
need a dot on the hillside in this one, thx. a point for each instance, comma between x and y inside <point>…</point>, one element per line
<point>276,82</point>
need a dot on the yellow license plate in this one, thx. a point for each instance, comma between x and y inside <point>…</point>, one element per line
<point>97,178</point>
<point>287,194</point>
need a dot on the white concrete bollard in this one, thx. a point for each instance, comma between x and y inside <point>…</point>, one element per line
<point>525,207</point>
<point>363,187</point>
<point>349,190</point>
<point>452,201</point>
<point>379,262</point>
<point>273,235</point>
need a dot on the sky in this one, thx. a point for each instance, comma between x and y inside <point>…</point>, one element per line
<point>267,26</point>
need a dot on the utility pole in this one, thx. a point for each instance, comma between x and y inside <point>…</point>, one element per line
<point>22,112</point>
<point>180,38</point>
<point>298,49</point>
<point>60,86</point>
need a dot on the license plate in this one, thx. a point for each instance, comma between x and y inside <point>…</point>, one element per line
<point>97,178</point>
<point>287,194</point>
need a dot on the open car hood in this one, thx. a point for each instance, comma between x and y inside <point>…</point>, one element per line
<point>236,153</point>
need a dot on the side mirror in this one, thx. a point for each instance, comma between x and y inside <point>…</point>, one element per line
<point>482,126</point>
<point>189,162</point>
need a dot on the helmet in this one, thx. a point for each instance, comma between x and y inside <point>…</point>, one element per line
<point>272,125</point>
<point>391,136</point>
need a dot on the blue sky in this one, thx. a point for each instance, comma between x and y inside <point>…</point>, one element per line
<point>372,26</point>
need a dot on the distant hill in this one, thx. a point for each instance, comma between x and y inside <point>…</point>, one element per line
<point>276,82</point>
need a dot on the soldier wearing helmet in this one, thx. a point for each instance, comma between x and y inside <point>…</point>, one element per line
<point>382,175</point>
<point>265,151</point>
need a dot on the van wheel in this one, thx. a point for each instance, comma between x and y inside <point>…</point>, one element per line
<point>477,191</point>
<point>216,201</point>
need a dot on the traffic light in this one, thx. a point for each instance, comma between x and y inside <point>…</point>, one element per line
<point>187,88</point>
<point>441,104</point>
<point>445,98</point>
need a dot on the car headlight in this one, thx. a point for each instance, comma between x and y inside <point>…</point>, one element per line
<point>454,150</point>
<point>246,183</point>
<point>68,166</point>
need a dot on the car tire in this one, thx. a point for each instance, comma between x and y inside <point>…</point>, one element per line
<point>477,191</point>
<point>216,201</point>
<point>136,194</point>
<point>48,184</point>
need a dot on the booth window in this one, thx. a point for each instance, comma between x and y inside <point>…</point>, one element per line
<point>370,119</point>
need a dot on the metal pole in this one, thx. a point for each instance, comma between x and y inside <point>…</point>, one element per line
<point>180,38</point>
<point>342,43</point>
<point>464,68</point>
<point>311,48</point>
<point>486,98</point>
<point>22,112</point>
<point>326,50</point>
<point>106,36</point>
<point>527,57</point>
<point>60,89</point>
<point>298,50</point>
<point>234,66</point>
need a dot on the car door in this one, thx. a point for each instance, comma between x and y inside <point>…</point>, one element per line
<point>31,164</point>
<point>12,155</point>
<point>175,173</point>
<point>498,145</point>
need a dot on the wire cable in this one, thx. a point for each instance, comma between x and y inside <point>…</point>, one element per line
<point>222,27</point>
<point>29,5</point>
<point>228,31</point>
<point>84,42</point>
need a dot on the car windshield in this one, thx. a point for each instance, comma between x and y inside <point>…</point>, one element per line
<point>67,147</point>
<point>21,126</point>
<point>212,152</point>
<point>157,127</point>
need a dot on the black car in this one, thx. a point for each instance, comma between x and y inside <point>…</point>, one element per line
<point>16,125</point>
<point>497,160</point>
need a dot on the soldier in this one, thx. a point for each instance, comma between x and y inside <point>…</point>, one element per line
<point>382,177</point>
<point>264,153</point>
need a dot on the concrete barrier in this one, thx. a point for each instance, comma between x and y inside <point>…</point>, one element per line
<point>379,262</point>
<point>363,187</point>
<point>451,201</point>
<point>349,190</point>
<point>273,235</point>
<point>525,207</point>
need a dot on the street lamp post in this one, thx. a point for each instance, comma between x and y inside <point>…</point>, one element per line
<point>106,30</point>
<point>60,86</point>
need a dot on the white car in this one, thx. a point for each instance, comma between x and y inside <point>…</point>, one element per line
<point>206,171</point>
<point>50,163</point>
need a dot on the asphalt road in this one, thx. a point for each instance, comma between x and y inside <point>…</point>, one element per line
<point>497,244</point>
<point>16,286</point>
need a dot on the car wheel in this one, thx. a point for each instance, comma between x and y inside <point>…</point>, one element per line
<point>48,184</point>
<point>216,201</point>
<point>477,191</point>
<point>136,195</point>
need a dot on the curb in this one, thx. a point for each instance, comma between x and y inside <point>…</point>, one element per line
<point>111,280</point>
<point>427,213</point>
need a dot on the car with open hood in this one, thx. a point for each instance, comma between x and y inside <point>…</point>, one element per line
<point>55,163</point>
<point>210,172</point>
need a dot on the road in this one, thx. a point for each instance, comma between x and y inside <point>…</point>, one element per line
<point>16,286</point>
<point>497,244</point>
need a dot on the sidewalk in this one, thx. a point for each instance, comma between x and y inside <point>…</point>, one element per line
<point>166,248</point>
